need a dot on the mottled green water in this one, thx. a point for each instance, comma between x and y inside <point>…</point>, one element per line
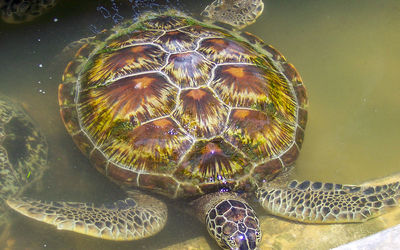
<point>347,52</point>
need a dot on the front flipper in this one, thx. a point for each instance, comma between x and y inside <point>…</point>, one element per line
<point>238,13</point>
<point>129,219</point>
<point>317,202</point>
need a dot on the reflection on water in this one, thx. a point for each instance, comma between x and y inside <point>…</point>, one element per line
<point>346,51</point>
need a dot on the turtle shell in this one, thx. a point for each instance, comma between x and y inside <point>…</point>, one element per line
<point>183,107</point>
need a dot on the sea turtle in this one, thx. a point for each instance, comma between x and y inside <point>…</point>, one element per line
<point>20,11</point>
<point>23,153</point>
<point>188,109</point>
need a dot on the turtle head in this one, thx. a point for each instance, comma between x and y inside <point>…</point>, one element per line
<point>234,225</point>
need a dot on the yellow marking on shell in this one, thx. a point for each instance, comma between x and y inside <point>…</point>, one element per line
<point>133,38</point>
<point>242,86</point>
<point>256,87</point>
<point>110,65</point>
<point>155,147</point>
<point>211,161</point>
<point>141,98</point>
<point>177,41</point>
<point>188,69</point>
<point>282,96</point>
<point>259,135</point>
<point>221,50</point>
<point>171,20</point>
<point>200,112</point>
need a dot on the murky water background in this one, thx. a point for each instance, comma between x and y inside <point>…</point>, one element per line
<point>347,52</point>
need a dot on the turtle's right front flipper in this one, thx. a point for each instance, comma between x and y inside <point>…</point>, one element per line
<point>317,202</point>
<point>129,219</point>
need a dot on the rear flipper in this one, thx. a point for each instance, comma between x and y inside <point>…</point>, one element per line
<point>130,219</point>
<point>317,202</point>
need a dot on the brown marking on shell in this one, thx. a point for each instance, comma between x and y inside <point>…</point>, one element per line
<point>70,72</point>
<point>110,65</point>
<point>290,156</point>
<point>66,94</point>
<point>177,41</point>
<point>222,50</point>
<point>302,118</point>
<point>98,160</point>
<point>165,22</point>
<point>85,50</point>
<point>125,176</point>
<point>103,35</point>
<point>241,85</point>
<point>276,55</point>
<point>83,143</point>
<point>158,183</point>
<point>70,119</point>
<point>141,98</point>
<point>268,170</point>
<point>213,160</point>
<point>200,112</point>
<point>135,37</point>
<point>257,134</point>
<point>188,69</point>
<point>155,147</point>
<point>301,94</point>
<point>200,31</point>
<point>291,73</point>
<point>299,137</point>
<point>253,39</point>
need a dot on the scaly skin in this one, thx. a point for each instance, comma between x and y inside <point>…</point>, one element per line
<point>137,217</point>
<point>316,202</point>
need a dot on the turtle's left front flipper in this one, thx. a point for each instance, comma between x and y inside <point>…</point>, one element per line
<point>129,219</point>
<point>317,202</point>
